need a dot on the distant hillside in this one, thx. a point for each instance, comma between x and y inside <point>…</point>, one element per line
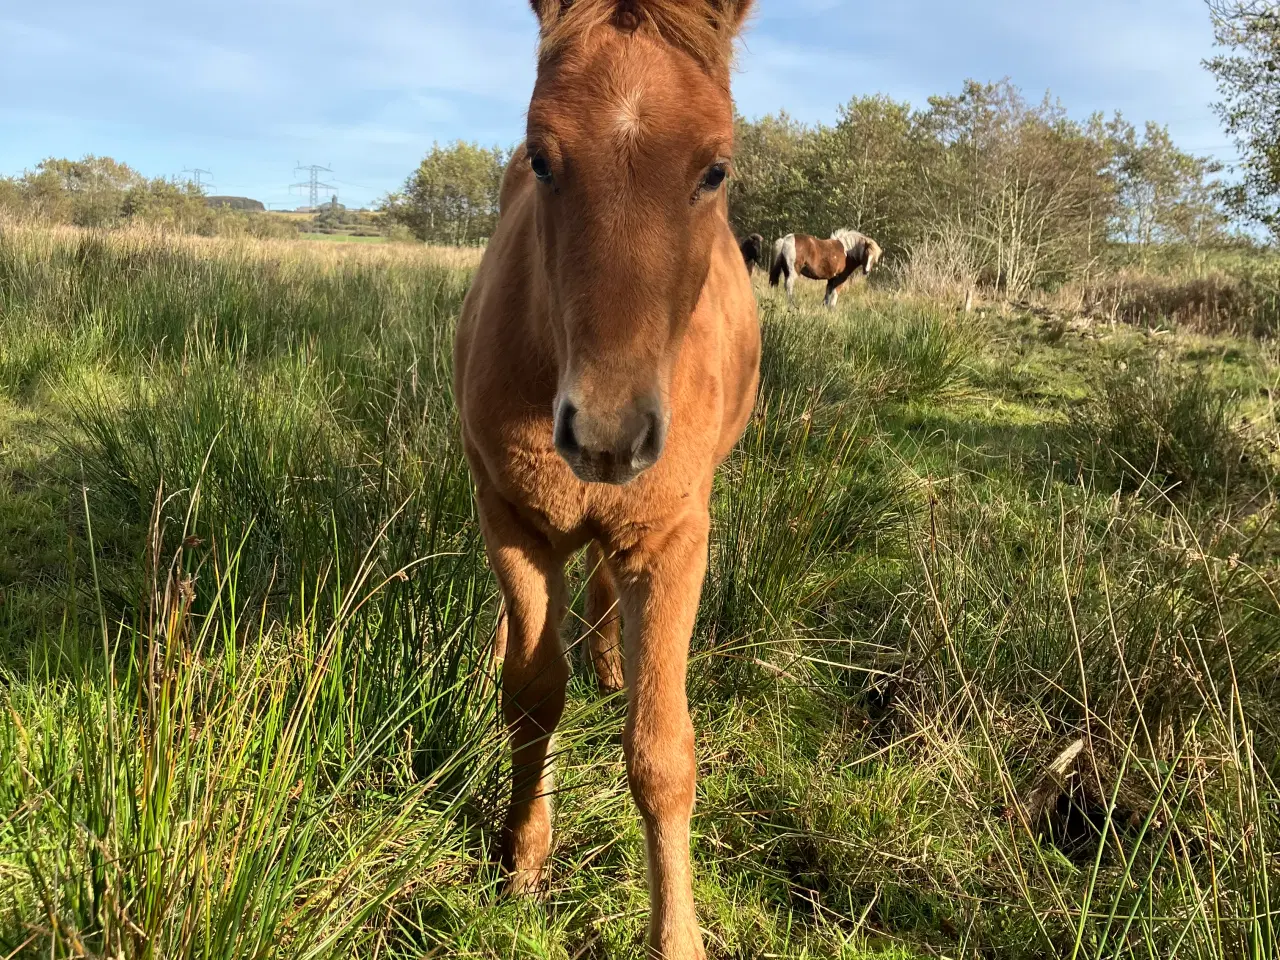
<point>236,203</point>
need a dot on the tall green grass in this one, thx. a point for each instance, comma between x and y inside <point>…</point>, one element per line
<point>247,708</point>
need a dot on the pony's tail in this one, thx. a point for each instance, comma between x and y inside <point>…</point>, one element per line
<point>779,263</point>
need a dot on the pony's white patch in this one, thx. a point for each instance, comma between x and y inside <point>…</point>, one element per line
<point>629,122</point>
<point>786,248</point>
<point>848,238</point>
<point>784,264</point>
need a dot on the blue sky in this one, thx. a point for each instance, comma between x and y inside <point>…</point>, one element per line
<point>247,88</point>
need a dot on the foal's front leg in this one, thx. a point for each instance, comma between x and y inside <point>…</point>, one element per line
<point>660,583</point>
<point>534,675</point>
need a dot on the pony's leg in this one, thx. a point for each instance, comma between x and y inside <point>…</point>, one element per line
<point>660,582</point>
<point>534,675</point>
<point>833,294</point>
<point>500,636</point>
<point>604,623</point>
<point>791,287</point>
<point>499,651</point>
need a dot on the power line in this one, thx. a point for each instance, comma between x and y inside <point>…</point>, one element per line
<point>313,183</point>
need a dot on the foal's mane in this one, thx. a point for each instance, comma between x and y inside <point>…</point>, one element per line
<point>703,29</point>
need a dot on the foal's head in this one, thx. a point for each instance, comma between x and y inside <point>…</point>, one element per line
<point>630,137</point>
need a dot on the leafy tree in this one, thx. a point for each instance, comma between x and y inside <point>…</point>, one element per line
<point>1165,194</point>
<point>101,192</point>
<point>93,187</point>
<point>174,204</point>
<point>12,194</point>
<point>994,188</point>
<point>869,165</point>
<point>1249,83</point>
<point>1025,186</point>
<point>772,188</point>
<point>453,195</point>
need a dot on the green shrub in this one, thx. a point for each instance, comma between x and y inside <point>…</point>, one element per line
<point>1152,424</point>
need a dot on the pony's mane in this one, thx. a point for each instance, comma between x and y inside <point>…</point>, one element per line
<point>849,238</point>
<point>686,26</point>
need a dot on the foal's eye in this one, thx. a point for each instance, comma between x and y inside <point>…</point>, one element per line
<point>541,168</point>
<point>714,177</point>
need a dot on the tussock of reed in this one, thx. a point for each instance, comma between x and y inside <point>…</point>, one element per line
<point>1244,300</point>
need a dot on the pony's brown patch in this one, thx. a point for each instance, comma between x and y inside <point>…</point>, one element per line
<point>703,30</point>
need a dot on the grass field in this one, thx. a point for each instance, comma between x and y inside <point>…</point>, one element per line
<point>244,613</point>
<point>341,238</point>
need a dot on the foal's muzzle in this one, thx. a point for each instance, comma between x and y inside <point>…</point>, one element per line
<point>610,449</point>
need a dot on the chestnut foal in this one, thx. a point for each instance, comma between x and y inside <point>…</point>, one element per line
<point>606,363</point>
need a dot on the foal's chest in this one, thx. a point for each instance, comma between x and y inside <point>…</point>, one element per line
<point>529,474</point>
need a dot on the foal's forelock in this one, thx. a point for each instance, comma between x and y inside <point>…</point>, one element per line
<point>703,29</point>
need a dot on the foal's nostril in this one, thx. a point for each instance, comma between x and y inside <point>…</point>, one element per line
<point>566,438</point>
<point>648,445</point>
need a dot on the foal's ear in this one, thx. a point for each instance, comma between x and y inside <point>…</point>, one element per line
<point>548,11</point>
<point>729,15</point>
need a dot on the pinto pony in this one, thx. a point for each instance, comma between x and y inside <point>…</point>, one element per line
<point>606,362</point>
<point>834,260</point>
<point>752,247</point>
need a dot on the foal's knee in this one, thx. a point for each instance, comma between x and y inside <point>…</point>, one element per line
<point>661,770</point>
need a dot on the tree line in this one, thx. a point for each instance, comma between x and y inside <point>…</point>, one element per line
<point>983,184</point>
<point>980,186</point>
<point>101,192</point>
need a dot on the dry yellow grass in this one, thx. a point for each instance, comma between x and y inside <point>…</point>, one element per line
<point>44,237</point>
<point>1209,301</point>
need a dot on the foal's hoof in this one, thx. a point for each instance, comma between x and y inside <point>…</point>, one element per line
<point>611,685</point>
<point>524,874</point>
<point>607,664</point>
<point>523,883</point>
